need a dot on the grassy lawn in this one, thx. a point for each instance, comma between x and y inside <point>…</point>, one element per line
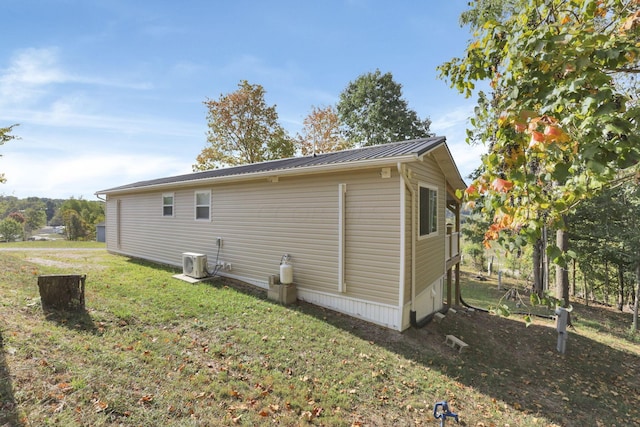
<point>51,244</point>
<point>481,290</point>
<point>153,350</point>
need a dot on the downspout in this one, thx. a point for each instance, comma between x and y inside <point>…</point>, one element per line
<point>407,183</point>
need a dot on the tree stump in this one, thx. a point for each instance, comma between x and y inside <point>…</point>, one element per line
<point>62,291</point>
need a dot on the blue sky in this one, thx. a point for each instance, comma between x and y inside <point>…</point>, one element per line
<point>109,92</point>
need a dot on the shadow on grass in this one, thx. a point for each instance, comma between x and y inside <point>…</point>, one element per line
<point>74,320</point>
<point>154,265</point>
<point>605,319</point>
<point>8,406</point>
<point>592,384</point>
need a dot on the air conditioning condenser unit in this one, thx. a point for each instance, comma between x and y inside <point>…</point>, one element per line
<point>194,265</point>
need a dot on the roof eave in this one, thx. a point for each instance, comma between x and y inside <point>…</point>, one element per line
<point>452,173</point>
<point>307,170</point>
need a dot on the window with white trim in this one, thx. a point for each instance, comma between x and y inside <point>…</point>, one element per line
<point>167,204</point>
<point>203,205</point>
<point>428,210</point>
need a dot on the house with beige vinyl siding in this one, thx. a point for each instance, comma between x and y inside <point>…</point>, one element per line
<point>367,229</point>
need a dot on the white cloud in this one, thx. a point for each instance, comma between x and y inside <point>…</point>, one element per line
<point>256,70</point>
<point>34,67</point>
<point>31,69</point>
<point>66,113</point>
<point>70,139</point>
<point>453,124</point>
<point>187,68</point>
<point>33,72</point>
<point>81,175</point>
<point>453,119</point>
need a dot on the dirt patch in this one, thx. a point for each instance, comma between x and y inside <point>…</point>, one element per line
<point>52,263</point>
<point>67,260</point>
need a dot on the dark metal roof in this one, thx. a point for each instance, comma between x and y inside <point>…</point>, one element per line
<point>389,151</point>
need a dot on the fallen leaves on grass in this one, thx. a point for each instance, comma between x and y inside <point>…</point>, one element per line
<point>146,399</point>
<point>64,387</point>
<point>311,415</point>
<point>99,405</point>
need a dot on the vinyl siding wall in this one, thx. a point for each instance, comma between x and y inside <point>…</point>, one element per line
<point>409,235</point>
<point>430,249</point>
<point>259,221</point>
<point>430,262</point>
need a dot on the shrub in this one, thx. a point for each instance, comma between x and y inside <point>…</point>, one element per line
<point>10,230</point>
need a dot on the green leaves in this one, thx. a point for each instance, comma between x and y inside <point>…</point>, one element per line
<point>535,299</point>
<point>559,257</point>
<point>5,136</point>
<point>502,310</point>
<point>561,172</point>
<point>557,124</point>
<point>546,300</point>
<point>374,112</point>
<point>10,230</point>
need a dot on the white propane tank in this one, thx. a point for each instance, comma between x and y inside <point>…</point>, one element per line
<point>286,270</point>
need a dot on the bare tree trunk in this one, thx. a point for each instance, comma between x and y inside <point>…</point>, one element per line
<point>545,260</point>
<point>634,327</point>
<point>573,279</point>
<point>537,268</point>
<point>620,287</point>
<point>562,273</point>
<point>586,290</point>
<point>605,292</point>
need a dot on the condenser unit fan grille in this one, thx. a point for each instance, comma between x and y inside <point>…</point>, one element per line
<point>194,265</point>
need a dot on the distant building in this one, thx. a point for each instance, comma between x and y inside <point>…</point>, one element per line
<point>101,232</point>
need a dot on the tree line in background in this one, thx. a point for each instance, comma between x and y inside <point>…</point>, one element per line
<point>605,240</point>
<point>561,125</point>
<point>21,218</point>
<point>244,129</point>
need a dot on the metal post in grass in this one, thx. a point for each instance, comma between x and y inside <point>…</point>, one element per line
<point>62,291</point>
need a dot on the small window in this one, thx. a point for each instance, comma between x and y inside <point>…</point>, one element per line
<point>428,211</point>
<point>203,205</point>
<point>167,204</point>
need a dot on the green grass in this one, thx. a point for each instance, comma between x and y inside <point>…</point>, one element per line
<point>153,350</point>
<point>482,291</point>
<point>62,243</point>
